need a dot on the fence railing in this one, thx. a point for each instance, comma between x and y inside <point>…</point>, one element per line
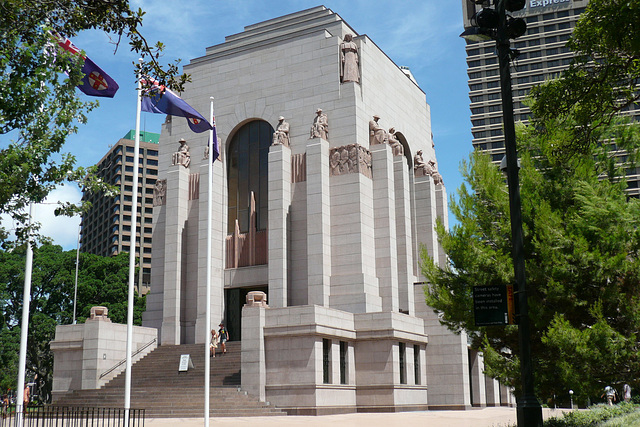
<point>65,416</point>
<point>122,362</point>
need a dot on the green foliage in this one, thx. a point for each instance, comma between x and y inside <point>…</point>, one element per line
<point>599,415</point>
<point>582,238</point>
<point>101,281</point>
<point>39,104</point>
<point>600,83</point>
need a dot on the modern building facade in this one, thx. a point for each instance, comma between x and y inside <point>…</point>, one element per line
<point>106,227</point>
<point>543,55</point>
<point>326,191</point>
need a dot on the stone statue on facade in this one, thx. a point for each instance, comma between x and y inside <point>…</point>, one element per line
<point>159,192</point>
<point>182,156</point>
<point>320,127</point>
<point>437,178</point>
<point>281,135</point>
<point>349,71</point>
<point>426,169</point>
<point>419,165</point>
<point>377,134</point>
<point>395,144</point>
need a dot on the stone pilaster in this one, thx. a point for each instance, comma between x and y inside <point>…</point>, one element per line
<point>442,212</point>
<point>218,233</point>
<point>279,206</point>
<point>385,226</point>
<point>253,368</point>
<point>404,235</point>
<point>478,386</point>
<point>354,286</point>
<point>318,223</point>
<point>425,216</point>
<point>176,217</point>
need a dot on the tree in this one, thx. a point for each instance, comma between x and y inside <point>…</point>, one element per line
<point>39,105</point>
<point>101,281</point>
<point>601,82</point>
<point>582,247</point>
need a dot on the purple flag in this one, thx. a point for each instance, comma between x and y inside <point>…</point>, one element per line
<point>95,81</point>
<point>160,99</point>
<point>216,147</point>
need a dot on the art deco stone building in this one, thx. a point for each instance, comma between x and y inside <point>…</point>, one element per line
<point>106,227</point>
<point>321,206</point>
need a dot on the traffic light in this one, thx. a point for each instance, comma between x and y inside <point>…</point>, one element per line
<point>485,22</point>
<point>514,5</point>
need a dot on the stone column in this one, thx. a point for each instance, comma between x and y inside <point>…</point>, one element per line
<point>406,278</point>
<point>426,214</point>
<point>354,286</point>
<point>478,387</point>
<point>318,223</point>
<point>442,212</point>
<point>253,366</point>
<point>218,232</point>
<point>177,212</point>
<point>279,205</point>
<point>493,391</point>
<point>385,225</point>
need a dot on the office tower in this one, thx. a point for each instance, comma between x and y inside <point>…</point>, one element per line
<point>106,227</point>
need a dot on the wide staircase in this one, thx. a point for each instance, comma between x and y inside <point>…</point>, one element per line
<point>158,387</point>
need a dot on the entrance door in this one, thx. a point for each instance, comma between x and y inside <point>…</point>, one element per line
<point>235,299</point>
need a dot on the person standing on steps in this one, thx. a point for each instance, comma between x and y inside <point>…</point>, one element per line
<point>214,343</point>
<point>223,336</point>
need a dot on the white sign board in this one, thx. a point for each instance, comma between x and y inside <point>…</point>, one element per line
<point>185,363</point>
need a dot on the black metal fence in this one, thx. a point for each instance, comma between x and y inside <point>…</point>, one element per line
<point>64,416</point>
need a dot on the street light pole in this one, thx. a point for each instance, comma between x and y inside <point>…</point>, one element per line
<point>529,411</point>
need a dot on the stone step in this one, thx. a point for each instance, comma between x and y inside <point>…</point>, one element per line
<point>163,392</point>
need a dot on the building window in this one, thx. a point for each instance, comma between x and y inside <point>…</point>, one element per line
<point>247,173</point>
<point>326,361</point>
<point>402,347</point>
<point>416,364</point>
<point>344,347</point>
<point>152,152</point>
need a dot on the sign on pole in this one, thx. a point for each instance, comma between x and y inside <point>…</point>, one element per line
<point>491,305</point>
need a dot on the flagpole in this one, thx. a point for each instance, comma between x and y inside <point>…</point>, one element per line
<point>24,327</point>
<point>75,287</point>
<point>207,322</point>
<point>132,256</point>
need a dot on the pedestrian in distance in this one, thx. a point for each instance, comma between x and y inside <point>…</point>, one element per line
<point>610,392</point>
<point>626,392</point>
<point>223,335</point>
<point>214,343</point>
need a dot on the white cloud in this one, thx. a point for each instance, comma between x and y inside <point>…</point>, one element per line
<point>62,230</point>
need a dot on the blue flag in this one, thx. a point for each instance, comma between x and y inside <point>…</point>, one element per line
<point>95,81</point>
<point>160,99</point>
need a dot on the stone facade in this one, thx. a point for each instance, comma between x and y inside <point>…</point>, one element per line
<point>88,355</point>
<point>346,327</point>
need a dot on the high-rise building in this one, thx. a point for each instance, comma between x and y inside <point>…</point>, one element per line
<point>543,55</point>
<point>106,227</point>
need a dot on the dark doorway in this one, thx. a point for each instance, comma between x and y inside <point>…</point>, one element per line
<point>235,299</point>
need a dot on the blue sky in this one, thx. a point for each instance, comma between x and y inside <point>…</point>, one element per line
<point>420,34</point>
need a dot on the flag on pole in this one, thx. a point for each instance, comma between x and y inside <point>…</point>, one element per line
<point>160,99</point>
<point>95,81</point>
<point>214,136</point>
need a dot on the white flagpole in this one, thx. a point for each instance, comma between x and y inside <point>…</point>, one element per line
<point>132,257</point>
<point>207,321</point>
<point>75,287</point>
<point>24,327</point>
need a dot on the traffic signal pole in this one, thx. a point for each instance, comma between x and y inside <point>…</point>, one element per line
<point>529,411</point>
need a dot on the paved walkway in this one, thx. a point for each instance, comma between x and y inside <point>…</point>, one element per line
<point>485,417</point>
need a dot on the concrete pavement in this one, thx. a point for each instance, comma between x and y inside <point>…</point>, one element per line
<point>485,417</point>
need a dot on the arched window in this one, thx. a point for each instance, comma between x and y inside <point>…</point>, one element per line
<point>247,172</point>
